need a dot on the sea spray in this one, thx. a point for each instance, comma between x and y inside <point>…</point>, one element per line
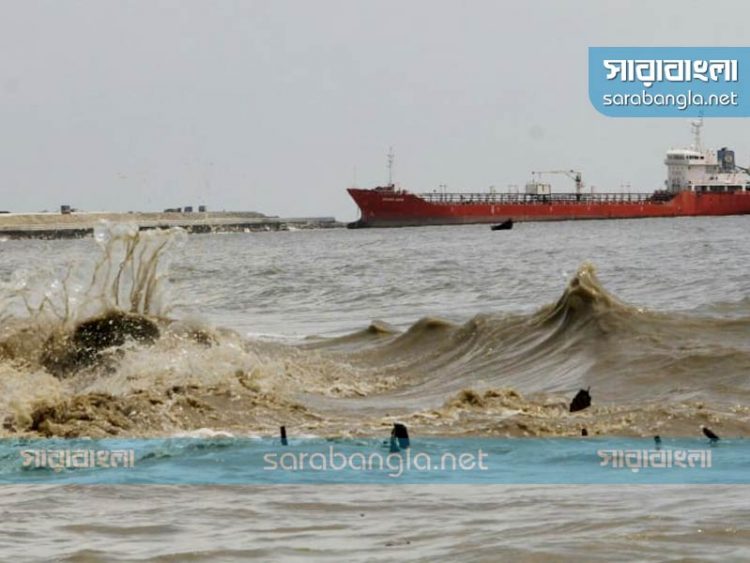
<point>128,274</point>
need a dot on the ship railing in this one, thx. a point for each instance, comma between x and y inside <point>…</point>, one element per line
<point>560,198</point>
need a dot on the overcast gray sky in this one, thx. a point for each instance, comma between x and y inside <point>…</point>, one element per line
<point>269,105</point>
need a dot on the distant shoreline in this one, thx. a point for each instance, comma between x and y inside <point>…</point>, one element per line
<point>81,224</point>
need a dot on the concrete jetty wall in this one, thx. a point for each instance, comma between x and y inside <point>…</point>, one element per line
<point>81,224</point>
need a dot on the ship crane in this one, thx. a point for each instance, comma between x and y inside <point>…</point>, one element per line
<point>575,175</point>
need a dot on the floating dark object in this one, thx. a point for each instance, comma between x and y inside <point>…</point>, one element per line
<point>708,433</point>
<point>657,442</point>
<point>581,401</point>
<point>401,434</point>
<point>584,432</point>
<point>284,441</point>
<point>504,226</point>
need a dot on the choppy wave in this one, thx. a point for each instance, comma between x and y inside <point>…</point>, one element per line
<point>94,350</point>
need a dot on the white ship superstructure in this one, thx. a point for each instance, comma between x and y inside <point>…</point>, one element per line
<point>699,170</point>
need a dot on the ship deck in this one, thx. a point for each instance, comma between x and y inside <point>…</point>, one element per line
<point>458,198</point>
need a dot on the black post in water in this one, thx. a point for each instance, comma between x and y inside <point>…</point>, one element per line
<point>283,436</point>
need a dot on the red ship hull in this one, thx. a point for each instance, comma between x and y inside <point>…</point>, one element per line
<point>385,207</point>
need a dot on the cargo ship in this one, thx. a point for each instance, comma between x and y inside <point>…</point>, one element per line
<point>699,182</point>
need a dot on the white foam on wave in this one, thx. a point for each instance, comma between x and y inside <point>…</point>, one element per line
<point>204,433</point>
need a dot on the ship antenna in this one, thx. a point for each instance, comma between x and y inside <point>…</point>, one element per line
<point>391,156</point>
<point>696,126</point>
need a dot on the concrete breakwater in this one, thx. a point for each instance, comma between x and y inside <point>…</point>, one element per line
<point>81,224</point>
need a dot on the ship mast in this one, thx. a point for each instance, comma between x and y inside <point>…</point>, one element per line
<point>696,126</point>
<point>391,157</point>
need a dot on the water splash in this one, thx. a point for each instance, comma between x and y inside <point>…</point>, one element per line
<point>131,275</point>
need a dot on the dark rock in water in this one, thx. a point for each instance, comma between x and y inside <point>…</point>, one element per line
<point>90,338</point>
<point>401,434</point>
<point>114,329</point>
<point>581,401</point>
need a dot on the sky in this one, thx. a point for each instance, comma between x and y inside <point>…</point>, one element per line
<point>278,106</point>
